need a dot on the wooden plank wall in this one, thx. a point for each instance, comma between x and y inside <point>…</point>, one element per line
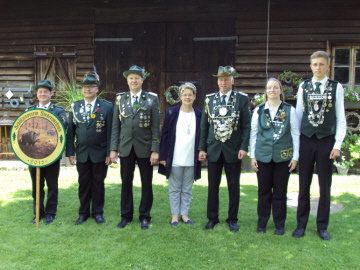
<point>296,31</point>
<point>40,23</point>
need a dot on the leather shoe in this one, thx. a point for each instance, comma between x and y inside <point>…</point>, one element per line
<point>174,224</point>
<point>261,230</point>
<point>211,224</point>
<point>49,219</point>
<point>33,221</point>
<point>324,235</point>
<point>280,231</point>
<point>81,220</point>
<point>298,233</point>
<point>122,224</point>
<point>145,224</point>
<point>99,219</point>
<point>233,227</point>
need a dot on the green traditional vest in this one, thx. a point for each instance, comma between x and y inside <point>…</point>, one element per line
<point>319,116</point>
<point>274,141</point>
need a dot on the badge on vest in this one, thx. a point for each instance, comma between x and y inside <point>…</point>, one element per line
<point>286,153</point>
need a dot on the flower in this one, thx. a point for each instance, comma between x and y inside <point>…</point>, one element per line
<point>93,115</point>
<point>97,110</point>
<point>289,80</point>
<point>258,99</point>
<point>282,114</point>
<point>352,94</point>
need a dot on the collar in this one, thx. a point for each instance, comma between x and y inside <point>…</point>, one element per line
<point>46,106</point>
<point>323,81</point>
<point>138,95</point>
<point>92,103</point>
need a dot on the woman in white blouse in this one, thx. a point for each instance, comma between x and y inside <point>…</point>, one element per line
<point>274,152</point>
<point>179,151</point>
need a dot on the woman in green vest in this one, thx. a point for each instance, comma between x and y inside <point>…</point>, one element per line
<point>274,152</point>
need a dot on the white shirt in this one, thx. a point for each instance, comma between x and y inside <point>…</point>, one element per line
<point>92,105</point>
<point>133,99</point>
<point>294,130</point>
<point>44,106</point>
<point>227,96</point>
<point>185,143</point>
<point>339,109</point>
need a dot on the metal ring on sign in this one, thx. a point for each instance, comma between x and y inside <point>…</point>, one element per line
<point>14,103</point>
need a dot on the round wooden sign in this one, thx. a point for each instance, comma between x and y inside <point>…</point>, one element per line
<point>38,137</point>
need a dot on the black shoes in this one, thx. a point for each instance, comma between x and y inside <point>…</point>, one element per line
<point>99,219</point>
<point>81,220</point>
<point>298,233</point>
<point>233,227</point>
<point>324,235</point>
<point>122,224</point>
<point>211,224</point>
<point>33,221</point>
<point>49,219</point>
<point>145,224</point>
<point>279,231</point>
<point>261,230</point>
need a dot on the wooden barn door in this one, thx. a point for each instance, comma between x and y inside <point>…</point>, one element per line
<point>173,53</point>
<point>55,63</point>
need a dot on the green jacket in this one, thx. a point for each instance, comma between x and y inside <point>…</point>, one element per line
<point>240,116</point>
<point>140,129</point>
<point>90,139</point>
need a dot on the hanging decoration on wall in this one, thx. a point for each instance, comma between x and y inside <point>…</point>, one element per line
<point>172,95</point>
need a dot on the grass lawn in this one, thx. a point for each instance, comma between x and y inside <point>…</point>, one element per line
<point>62,245</point>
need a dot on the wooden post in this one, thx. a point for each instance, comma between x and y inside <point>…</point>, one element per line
<point>37,211</point>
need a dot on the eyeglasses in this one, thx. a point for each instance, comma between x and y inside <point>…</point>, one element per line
<point>89,86</point>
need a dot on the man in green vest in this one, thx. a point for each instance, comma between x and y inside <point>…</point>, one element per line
<point>320,110</point>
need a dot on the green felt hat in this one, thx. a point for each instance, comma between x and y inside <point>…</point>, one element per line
<point>136,70</point>
<point>44,83</point>
<point>90,78</point>
<point>226,71</point>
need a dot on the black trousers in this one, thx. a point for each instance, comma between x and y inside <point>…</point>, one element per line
<point>91,187</point>
<point>273,181</point>
<point>50,174</point>
<point>127,176</point>
<point>314,150</point>
<point>232,171</point>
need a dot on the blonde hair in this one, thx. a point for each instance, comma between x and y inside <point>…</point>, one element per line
<point>281,89</point>
<point>320,54</point>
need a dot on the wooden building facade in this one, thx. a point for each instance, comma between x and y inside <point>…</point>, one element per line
<point>175,41</point>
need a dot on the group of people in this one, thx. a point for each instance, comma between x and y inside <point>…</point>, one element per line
<point>278,136</point>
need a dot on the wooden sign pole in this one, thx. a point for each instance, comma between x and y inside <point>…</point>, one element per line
<point>37,211</point>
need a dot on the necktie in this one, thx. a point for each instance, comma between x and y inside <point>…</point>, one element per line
<point>135,104</point>
<point>223,101</point>
<point>317,88</point>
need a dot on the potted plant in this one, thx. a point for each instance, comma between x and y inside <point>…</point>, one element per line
<point>343,165</point>
<point>290,82</point>
<point>257,99</point>
<point>352,97</point>
<point>350,149</point>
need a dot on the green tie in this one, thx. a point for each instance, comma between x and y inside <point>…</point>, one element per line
<point>135,104</point>
<point>223,102</point>
<point>317,88</point>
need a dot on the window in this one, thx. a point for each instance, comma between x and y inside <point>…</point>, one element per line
<point>346,65</point>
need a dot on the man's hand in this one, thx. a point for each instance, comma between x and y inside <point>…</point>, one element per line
<point>202,155</point>
<point>107,161</point>
<point>242,154</point>
<point>113,156</point>
<point>334,153</point>
<point>72,160</point>
<point>154,158</point>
